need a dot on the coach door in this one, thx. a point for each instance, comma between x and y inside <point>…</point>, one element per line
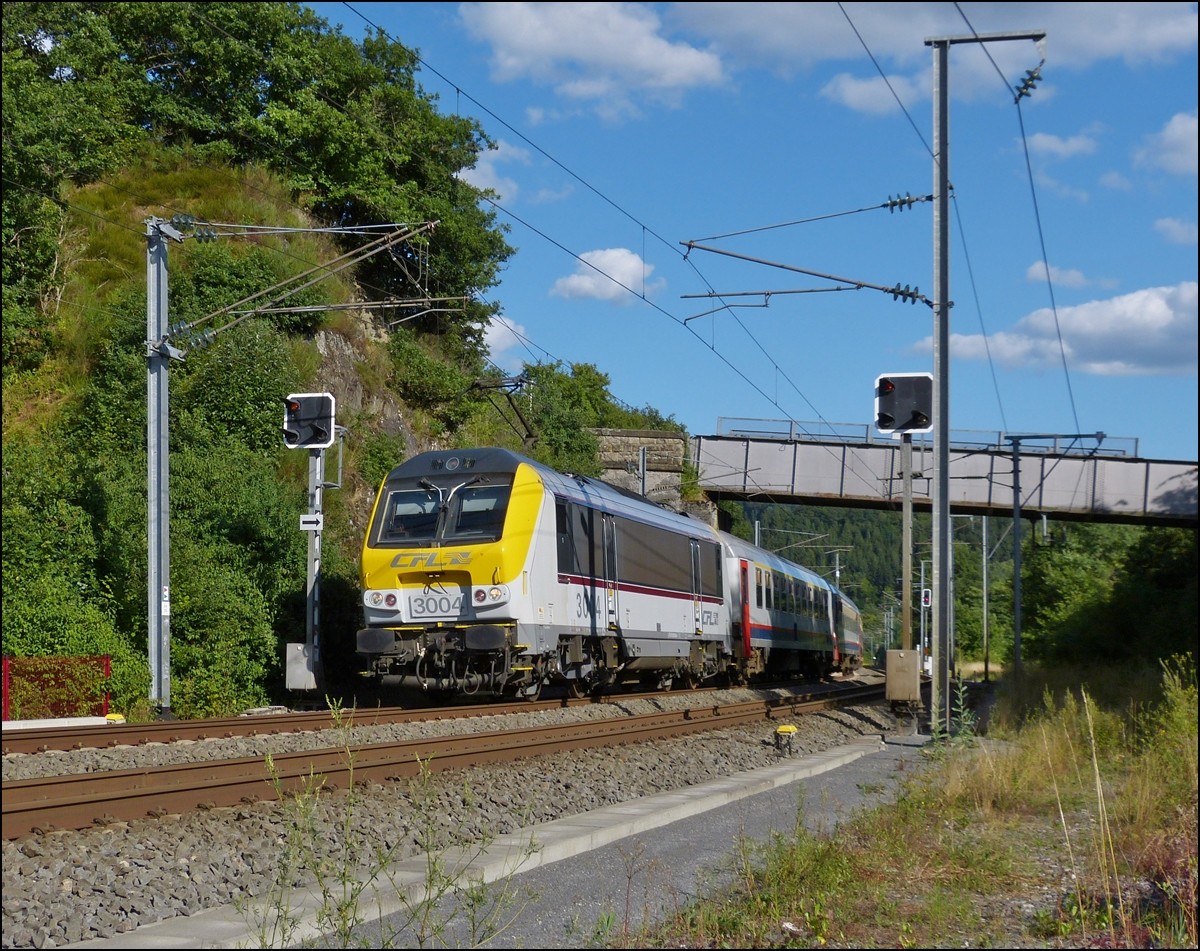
<point>743,609</point>
<point>610,573</point>
<point>697,589</point>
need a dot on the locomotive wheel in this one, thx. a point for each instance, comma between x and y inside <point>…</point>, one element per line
<point>531,691</point>
<point>686,680</point>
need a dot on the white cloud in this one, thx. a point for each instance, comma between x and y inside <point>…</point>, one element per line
<point>1176,230</point>
<point>612,274</point>
<point>1174,148</point>
<point>486,173</point>
<point>1148,332</point>
<point>1060,276</point>
<point>1059,188</point>
<point>1054,146</point>
<point>873,96</point>
<point>502,337</point>
<point>602,54</point>
<point>611,56</point>
<point>1078,34</point>
<point>1116,181</point>
<point>549,196</point>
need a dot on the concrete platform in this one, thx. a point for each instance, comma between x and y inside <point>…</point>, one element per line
<point>63,722</point>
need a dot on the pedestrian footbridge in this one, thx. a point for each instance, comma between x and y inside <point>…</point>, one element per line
<point>1093,479</point>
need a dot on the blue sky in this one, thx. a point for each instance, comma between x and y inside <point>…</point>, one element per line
<point>773,136</point>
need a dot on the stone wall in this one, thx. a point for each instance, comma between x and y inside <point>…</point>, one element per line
<point>666,455</point>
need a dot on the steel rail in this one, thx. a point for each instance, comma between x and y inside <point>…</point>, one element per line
<point>79,801</point>
<point>275,721</point>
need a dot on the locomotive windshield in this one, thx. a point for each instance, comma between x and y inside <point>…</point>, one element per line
<point>429,514</point>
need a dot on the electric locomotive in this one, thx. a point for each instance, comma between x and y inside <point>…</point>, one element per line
<point>484,571</point>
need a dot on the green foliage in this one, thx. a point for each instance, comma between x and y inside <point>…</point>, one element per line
<point>1109,593</point>
<point>235,389</point>
<point>378,455</point>
<point>55,601</point>
<point>428,383</point>
<point>45,617</point>
<point>1154,598</point>
<point>221,274</point>
<point>228,112</point>
<point>344,123</point>
<point>1168,735</point>
<point>223,651</point>
<point>24,335</point>
<point>60,102</point>
<point>564,405</point>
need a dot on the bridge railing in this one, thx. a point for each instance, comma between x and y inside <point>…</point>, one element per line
<point>823,431</point>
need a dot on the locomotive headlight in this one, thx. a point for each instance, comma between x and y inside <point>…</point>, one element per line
<point>375,598</point>
<point>496,594</point>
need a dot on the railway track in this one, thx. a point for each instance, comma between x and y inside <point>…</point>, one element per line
<point>80,801</point>
<point>275,721</point>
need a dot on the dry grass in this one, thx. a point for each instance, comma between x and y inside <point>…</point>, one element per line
<point>1074,826</point>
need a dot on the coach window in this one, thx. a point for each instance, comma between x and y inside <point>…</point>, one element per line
<point>711,575</point>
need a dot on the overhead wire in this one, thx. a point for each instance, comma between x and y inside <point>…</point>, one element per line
<point>633,218</point>
<point>1037,214</point>
<point>1042,242</point>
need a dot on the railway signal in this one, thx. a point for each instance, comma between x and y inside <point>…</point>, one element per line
<point>308,420</point>
<point>904,403</point>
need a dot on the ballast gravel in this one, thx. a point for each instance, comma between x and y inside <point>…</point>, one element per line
<point>65,887</point>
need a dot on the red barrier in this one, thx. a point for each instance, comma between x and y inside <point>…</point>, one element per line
<point>37,688</point>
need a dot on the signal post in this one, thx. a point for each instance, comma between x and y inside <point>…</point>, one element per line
<point>308,423</point>
<point>904,405</point>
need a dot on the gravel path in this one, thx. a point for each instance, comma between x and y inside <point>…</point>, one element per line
<point>66,887</point>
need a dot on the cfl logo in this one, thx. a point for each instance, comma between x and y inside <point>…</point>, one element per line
<point>432,559</point>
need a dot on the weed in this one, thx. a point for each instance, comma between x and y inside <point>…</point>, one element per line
<point>1099,799</point>
<point>352,869</point>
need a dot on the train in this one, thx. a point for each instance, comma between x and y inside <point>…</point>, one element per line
<point>487,573</point>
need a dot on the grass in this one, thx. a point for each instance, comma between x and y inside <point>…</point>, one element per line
<point>358,880</point>
<point>1073,824</point>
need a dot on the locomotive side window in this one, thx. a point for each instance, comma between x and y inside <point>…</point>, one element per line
<point>580,552</point>
<point>562,531</point>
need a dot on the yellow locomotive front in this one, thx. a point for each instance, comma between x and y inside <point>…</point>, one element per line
<point>445,575</point>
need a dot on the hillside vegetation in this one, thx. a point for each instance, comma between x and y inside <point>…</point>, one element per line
<point>257,124</point>
<point>276,146</point>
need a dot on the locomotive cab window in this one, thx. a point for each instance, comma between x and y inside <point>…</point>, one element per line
<point>409,517</point>
<point>429,514</point>
<point>480,512</point>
